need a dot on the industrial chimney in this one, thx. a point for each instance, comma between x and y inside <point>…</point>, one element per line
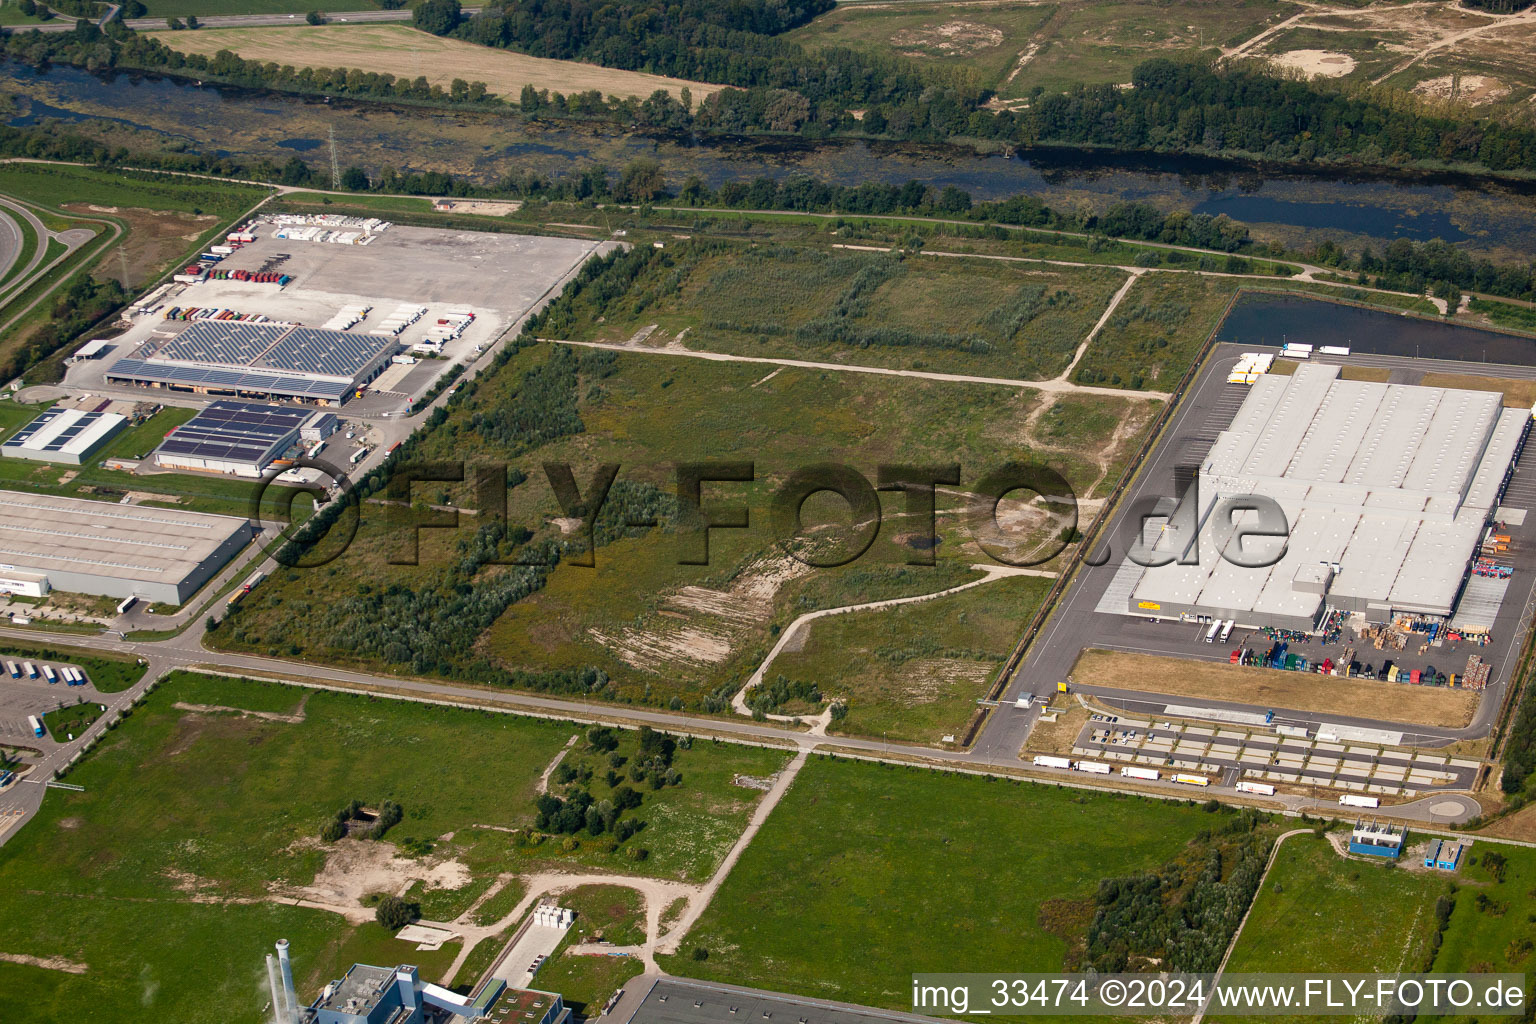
<point>278,1012</point>
<point>290,1013</point>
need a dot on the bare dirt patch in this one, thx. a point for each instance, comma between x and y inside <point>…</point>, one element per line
<point>951,39</point>
<point>1473,89</point>
<point>355,868</point>
<point>155,238</point>
<point>1316,63</point>
<point>1266,687</point>
<point>1518,394</point>
<point>703,625</point>
<point>48,963</point>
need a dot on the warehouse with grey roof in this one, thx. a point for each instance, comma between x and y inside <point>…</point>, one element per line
<point>1387,491</point>
<point>97,547</point>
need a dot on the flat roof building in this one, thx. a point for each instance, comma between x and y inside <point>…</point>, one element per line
<point>397,995</point>
<point>96,547</point>
<point>235,438</point>
<point>68,436</point>
<point>1377,839</point>
<point>259,360</point>
<point>1386,490</point>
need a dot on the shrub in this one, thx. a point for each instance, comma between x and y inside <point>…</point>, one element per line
<point>395,913</point>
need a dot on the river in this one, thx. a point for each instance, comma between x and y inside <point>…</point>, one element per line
<point>147,112</point>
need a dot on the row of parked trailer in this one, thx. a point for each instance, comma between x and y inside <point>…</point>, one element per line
<point>27,670</point>
<point>1220,630</point>
<point>1129,771</point>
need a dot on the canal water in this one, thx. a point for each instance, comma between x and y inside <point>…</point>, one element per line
<point>1261,319</point>
<point>150,112</point>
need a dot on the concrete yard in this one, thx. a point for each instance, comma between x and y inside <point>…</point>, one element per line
<point>498,277</point>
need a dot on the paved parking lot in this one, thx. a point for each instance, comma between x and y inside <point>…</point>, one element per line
<point>1264,756</point>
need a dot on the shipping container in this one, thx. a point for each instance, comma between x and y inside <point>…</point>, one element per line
<point>1140,773</point>
<point>1046,761</point>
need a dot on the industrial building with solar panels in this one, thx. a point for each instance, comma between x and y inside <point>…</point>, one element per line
<point>1388,492</point>
<point>67,436</point>
<point>240,438</point>
<point>279,362</point>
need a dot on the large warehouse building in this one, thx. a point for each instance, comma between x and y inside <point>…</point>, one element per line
<point>279,362</point>
<point>238,438</point>
<point>68,436</point>
<point>95,547</point>
<point>1387,490</point>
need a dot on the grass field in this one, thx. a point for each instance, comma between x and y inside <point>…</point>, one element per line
<point>1267,687</point>
<point>1307,915</point>
<point>166,875</point>
<point>867,873</point>
<point>951,315</point>
<point>63,723</point>
<point>658,628</point>
<point>1012,47</point>
<point>1156,331</point>
<point>407,53</point>
<point>914,672</point>
<point>52,185</point>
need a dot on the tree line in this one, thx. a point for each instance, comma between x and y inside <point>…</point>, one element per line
<point>1198,106</point>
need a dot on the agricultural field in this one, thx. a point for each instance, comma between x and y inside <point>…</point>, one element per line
<point>1014,47</point>
<point>1017,321</point>
<point>861,857</point>
<point>912,672</point>
<point>407,53</point>
<point>1155,332</point>
<point>1267,687</point>
<point>198,826</point>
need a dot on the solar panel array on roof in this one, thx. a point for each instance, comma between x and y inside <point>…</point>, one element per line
<point>236,432</point>
<point>282,347</point>
<point>280,360</point>
<point>63,435</point>
<point>227,380</point>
